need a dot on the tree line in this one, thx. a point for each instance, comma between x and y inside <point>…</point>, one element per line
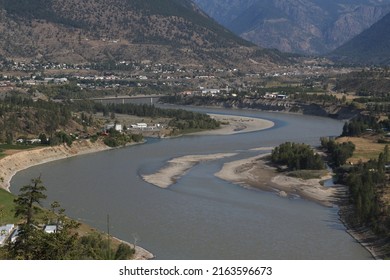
<point>367,183</point>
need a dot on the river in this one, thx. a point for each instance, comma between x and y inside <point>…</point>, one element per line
<point>201,216</point>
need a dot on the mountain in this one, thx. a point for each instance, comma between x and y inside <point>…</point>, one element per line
<point>110,30</point>
<point>372,46</point>
<point>300,26</point>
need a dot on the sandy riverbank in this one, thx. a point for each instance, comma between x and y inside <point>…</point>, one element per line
<point>255,173</point>
<point>16,162</point>
<point>236,124</point>
<point>178,167</point>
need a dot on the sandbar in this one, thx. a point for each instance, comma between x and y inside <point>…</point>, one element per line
<point>232,124</point>
<point>254,172</point>
<point>178,167</point>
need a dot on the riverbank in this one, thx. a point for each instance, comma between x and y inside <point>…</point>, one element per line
<point>376,245</point>
<point>21,160</point>
<point>255,173</point>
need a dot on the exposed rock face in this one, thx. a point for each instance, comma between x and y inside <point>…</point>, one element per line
<point>302,26</point>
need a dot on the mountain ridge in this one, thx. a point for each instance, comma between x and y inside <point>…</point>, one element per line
<point>101,30</point>
<point>300,26</point>
<point>372,46</point>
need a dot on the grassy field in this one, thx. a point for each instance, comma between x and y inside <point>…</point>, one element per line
<point>7,149</point>
<point>7,208</point>
<point>366,148</point>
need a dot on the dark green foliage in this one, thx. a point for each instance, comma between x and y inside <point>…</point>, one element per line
<point>123,252</point>
<point>359,125</point>
<point>181,119</point>
<point>339,153</point>
<point>61,138</point>
<point>94,247</point>
<point>24,116</point>
<point>364,182</point>
<point>29,196</point>
<point>297,156</point>
<point>116,138</point>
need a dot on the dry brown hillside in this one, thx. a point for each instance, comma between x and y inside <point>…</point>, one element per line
<point>97,30</point>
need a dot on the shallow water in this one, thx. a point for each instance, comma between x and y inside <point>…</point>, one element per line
<point>201,216</point>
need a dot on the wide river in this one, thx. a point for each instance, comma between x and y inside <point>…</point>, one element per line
<point>201,216</point>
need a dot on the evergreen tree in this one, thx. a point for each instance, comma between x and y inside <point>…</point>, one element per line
<point>29,195</point>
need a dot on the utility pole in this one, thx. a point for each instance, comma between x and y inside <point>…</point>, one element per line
<point>108,237</point>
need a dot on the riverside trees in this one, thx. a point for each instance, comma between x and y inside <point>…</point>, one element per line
<point>33,243</point>
<point>297,156</point>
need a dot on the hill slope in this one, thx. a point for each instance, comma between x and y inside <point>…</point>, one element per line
<point>96,30</point>
<point>302,26</point>
<point>370,47</point>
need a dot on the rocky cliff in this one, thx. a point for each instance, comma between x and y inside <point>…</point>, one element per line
<point>302,26</point>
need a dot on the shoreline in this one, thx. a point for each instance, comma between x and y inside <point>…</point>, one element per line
<point>363,235</point>
<point>255,173</point>
<point>11,164</point>
<point>140,253</point>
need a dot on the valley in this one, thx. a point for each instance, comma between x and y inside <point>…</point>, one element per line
<point>114,99</point>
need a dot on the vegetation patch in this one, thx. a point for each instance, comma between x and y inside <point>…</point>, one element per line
<point>307,174</point>
<point>366,149</point>
<point>297,157</point>
<point>7,208</point>
<point>63,242</point>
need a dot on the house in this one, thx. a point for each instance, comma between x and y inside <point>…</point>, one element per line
<point>211,91</point>
<point>34,141</point>
<point>139,125</point>
<point>117,127</point>
<point>50,229</point>
<point>282,96</point>
<point>5,231</point>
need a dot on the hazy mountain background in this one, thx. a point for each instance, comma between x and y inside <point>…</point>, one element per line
<point>99,30</point>
<point>372,46</point>
<point>300,26</point>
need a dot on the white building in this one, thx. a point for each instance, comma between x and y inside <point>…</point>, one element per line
<point>139,125</point>
<point>117,127</point>
<point>50,229</point>
<point>5,231</point>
